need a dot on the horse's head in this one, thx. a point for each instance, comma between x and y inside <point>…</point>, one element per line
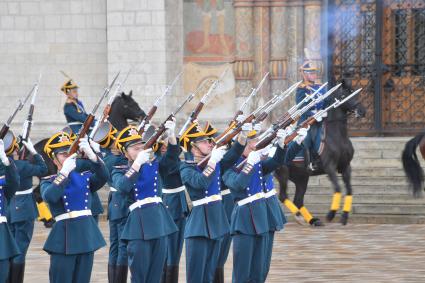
<point>128,107</point>
<point>353,105</point>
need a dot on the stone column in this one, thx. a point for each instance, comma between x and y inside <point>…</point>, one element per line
<point>312,34</point>
<point>278,51</point>
<point>244,57</point>
<point>262,47</point>
<point>295,41</point>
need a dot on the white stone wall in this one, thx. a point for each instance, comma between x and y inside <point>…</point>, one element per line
<point>145,34</point>
<point>51,35</point>
<point>90,40</point>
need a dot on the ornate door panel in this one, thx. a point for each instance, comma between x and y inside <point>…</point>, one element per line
<point>379,45</point>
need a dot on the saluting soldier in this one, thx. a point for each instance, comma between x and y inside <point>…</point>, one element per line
<point>22,206</point>
<point>9,183</point>
<point>75,236</point>
<point>207,222</point>
<point>149,223</point>
<point>276,217</point>
<point>228,204</point>
<point>174,198</point>
<point>249,223</point>
<point>118,203</point>
<point>73,109</point>
<point>312,142</point>
<point>96,206</point>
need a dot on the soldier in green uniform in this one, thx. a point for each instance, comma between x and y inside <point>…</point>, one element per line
<point>149,222</point>
<point>207,222</point>
<point>9,183</point>
<point>75,236</point>
<point>22,207</point>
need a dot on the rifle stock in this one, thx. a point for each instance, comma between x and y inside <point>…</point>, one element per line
<point>83,131</point>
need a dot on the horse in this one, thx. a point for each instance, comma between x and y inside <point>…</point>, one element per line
<point>123,108</point>
<point>411,164</point>
<point>335,158</point>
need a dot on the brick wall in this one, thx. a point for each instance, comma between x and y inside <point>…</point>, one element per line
<point>90,40</point>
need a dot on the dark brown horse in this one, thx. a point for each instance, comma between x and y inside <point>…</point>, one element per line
<point>335,158</point>
<point>411,164</point>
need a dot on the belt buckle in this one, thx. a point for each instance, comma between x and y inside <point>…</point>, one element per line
<point>215,197</point>
<point>72,214</point>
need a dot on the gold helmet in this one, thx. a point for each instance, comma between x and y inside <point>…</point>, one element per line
<point>128,136</point>
<point>68,85</point>
<point>10,143</point>
<point>193,133</point>
<point>70,132</point>
<point>59,142</point>
<point>210,131</point>
<point>105,134</point>
<point>309,67</point>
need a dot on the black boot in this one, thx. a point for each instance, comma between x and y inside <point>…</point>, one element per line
<point>121,274</point>
<point>111,273</point>
<point>16,272</point>
<point>219,275</point>
<point>172,274</point>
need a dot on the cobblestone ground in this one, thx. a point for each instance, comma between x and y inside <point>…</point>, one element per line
<point>355,253</point>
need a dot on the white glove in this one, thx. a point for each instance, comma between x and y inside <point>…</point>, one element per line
<point>146,127</point>
<point>240,118</point>
<point>258,127</point>
<point>302,133</point>
<point>290,129</point>
<point>265,151</point>
<point>281,136</point>
<point>86,148</point>
<point>69,164</point>
<point>3,156</point>
<point>246,128</point>
<point>95,146</point>
<point>142,158</point>
<point>28,144</point>
<point>170,125</point>
<point>217,154</point>
<point>272,151</point>
<point>253,158</point>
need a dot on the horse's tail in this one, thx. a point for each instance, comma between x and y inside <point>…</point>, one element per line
<point>411,165</point>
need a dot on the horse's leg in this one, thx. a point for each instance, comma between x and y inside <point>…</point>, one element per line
<point>348,200</point>
<point>301,182</point>
<point>336,199</point>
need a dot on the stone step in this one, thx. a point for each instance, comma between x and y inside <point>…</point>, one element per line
<point>359,181</point>
<point>383,209</point>
<point>367,199</point>
<point>364,190</point>
<point>371,219</point>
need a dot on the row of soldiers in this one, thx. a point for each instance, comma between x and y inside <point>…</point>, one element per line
<point>149,216</point>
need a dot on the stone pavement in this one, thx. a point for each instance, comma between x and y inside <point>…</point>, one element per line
<point>355,253</point>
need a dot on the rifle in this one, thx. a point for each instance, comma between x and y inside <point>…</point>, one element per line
<point>152,111</point>
<point>259,115</point>
<point>28,122</point>
<point>294,113</point>
<point>19,107</point>
<point>195,113</point>
<point>251,96</point>
<point>253,93</point>
<point>107,109</point>
<point>262,143</point>
<point>268,106</point>
<point>161,129</point>
<point>90,118</point>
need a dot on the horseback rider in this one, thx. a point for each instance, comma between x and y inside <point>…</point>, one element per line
<point>74,111</point>
<point>312,142</point>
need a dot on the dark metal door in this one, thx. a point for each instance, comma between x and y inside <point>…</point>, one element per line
<point>379,45</point>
